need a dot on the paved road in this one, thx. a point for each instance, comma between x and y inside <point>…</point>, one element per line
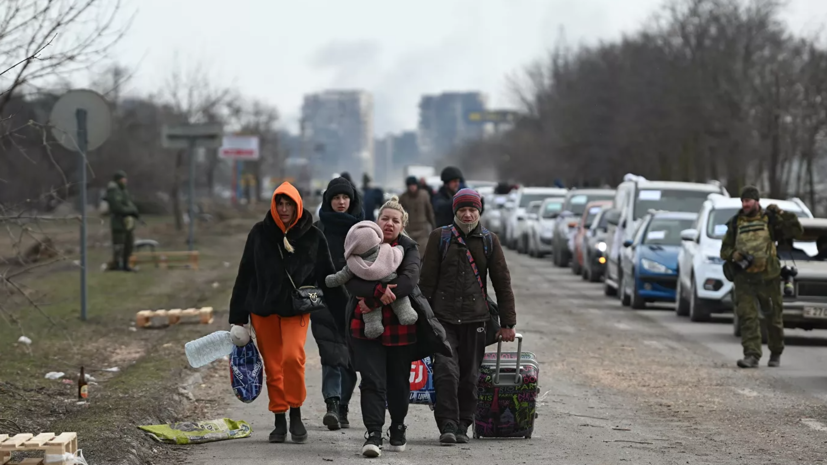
<point>618,386</point>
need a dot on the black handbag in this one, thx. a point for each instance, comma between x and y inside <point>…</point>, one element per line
<point>493,324</point>
<point>306,299</point>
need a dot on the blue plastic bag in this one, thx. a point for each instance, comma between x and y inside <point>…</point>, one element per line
<point>246,372</point>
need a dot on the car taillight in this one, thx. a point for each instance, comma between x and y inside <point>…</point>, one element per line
<point>573,224</point>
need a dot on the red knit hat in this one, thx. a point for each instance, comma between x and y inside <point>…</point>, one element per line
<point>467,198</point>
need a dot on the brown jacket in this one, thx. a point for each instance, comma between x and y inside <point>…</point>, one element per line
<point>452,289</point>
<point>420,211</point>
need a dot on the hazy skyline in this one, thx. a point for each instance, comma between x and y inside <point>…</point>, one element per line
<point>278,51</point>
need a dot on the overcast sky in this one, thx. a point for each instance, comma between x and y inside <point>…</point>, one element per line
<point>279,50</point>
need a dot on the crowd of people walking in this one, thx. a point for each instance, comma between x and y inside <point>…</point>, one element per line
<point>439,259</point>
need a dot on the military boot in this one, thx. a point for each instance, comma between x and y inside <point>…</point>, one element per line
<point>749,361</point>
<point>343,411</point>
<point>331,418</point>
<point>775,360</point>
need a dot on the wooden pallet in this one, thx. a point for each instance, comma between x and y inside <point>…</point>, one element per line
<point>164,260</point>
<point>160,318</point>
<point>49,443</point>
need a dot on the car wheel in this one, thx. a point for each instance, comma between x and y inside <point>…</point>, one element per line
<point>562,259</point>
<point>576,269</point>
<point>625,300</point>
<point>681,304</point>
<point>608,290</point>
<point>698,311</point>
<point>585,273</point>
<point>636,300</point>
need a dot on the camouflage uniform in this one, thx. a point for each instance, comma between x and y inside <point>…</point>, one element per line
<point>759,286</point>
<point>123,215</point>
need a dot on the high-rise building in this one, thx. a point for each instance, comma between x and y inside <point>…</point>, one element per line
<point>392,154</point>
<point>338,132</point>
<point>443,125</point>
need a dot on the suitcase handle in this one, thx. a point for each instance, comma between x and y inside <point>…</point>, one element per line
<point>518,377</point>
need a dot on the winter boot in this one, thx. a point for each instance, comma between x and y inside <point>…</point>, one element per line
<point>343,416</point>
<point>462,433</point>
<point>397,438</point>
<point>449,433</point>
<point>775,360</point>
<point>298,433</point>
<point>331,418</point>
<point>749,361</point>
<point>280,433</point>
<point>373,444</point>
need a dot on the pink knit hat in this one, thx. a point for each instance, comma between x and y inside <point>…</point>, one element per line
<point>362,237</point>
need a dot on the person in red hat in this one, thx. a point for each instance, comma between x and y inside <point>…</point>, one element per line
<point>458,261</point>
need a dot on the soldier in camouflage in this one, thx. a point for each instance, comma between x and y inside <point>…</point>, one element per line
<point>752,264</point>
<point>123,214</point>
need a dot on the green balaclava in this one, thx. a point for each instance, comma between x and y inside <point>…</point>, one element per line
<point>119,176</point>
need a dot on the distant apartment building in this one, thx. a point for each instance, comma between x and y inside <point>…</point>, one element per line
<point>392,154</point>
<point>338,132</point>
<point>443,125</point>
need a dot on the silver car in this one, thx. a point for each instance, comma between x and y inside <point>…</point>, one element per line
<point>539,242</point>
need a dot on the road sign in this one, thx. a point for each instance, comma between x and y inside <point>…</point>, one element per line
<point>207,136</point>
<point>81,121</point>
<point>64,120</point>
<point>240,148</point>
<point>498,116</point>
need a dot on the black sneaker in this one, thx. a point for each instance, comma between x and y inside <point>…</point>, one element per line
<point>449,433</point>
<point>280,433</point>
<point>373,444</point>
<point>462,434</point>
<point>775,360</point>
<point>397,438</point>
<point>748,362</point>
<point>343,416</point>
<point>331,418</point>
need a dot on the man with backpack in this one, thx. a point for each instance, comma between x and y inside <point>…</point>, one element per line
<point>457,263</point>
<point>752,264</point>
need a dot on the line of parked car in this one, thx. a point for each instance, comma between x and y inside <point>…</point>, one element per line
<point>657,241</point>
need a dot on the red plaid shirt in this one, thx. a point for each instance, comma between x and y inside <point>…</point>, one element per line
<point>395,334</point>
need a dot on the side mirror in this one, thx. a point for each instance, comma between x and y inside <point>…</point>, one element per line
<point>532,216</point>
<point>627,243</point>
<point>520,217</point>
<point>509,205</point>
<point>689,235</point>
<point>623,223</point>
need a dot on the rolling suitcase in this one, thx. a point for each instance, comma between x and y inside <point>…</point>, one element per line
<point>507,394</point>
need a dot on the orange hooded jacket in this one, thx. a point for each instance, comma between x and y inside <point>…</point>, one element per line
<point>290,191</point>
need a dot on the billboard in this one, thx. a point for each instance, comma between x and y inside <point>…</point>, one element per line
<point>239,148</point>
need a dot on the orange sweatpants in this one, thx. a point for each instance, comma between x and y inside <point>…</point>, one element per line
<point>281,344</point>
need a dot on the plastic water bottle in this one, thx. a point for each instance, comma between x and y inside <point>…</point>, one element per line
<point>209,348</point>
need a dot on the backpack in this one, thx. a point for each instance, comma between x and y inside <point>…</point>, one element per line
<point>728,267</point>
<point>445,241</point>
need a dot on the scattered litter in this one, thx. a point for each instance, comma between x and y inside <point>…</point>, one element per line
<point>189,432</point>
<point>226,264</point>
<point>67,381</point>
<point>168,344</point>
<point>76,262</point>
<point>585,416</point>
<point>543,397</point>
<point>112,370</point>
<point>55,375</point>
<point>215,285</point>
<point>132,328</point>
<point>104,267</point>
<point>633,442</point>
<point>327,460</point>
<point>82,402</point>
<point>186,394</point>
<point>621,429</point>
<point>89,378</point>
<point>24,340</point>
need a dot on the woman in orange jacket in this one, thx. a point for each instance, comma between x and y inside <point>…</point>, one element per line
<point>282,251</point>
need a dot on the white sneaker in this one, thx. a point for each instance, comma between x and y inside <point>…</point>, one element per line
<point>373,445</point>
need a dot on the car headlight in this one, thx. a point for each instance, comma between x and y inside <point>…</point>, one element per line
<point>654,267</point>
<point>714,260</point>
<point>547,231</point>
<point>601,246</point>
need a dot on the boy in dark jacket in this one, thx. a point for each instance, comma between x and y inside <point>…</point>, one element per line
<point>454,288</point>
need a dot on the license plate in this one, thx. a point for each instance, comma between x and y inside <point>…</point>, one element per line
<point>815,312</point>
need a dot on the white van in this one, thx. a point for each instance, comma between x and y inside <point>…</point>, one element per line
<point>635,197</point>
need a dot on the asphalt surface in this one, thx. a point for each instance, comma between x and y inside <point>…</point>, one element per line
<point>617,386</point>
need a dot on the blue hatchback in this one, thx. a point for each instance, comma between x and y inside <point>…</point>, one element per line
<point>650,260</point>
